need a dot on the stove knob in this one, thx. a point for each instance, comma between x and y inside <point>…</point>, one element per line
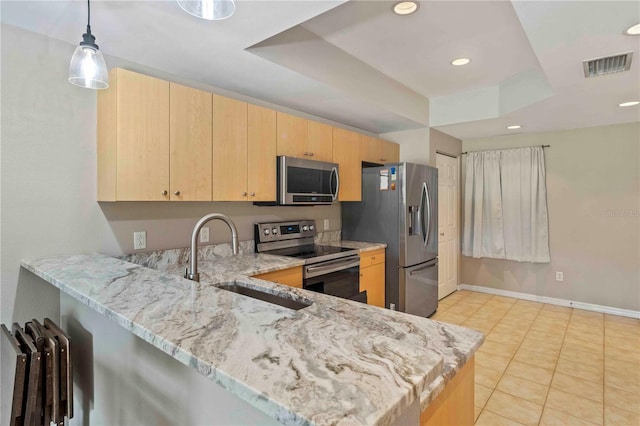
<point>266,232</point>
<point>311,227</point>
<point>305,228</point>
<point>274,231</point>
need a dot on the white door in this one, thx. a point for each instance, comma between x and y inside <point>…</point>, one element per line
<point>448,222</point>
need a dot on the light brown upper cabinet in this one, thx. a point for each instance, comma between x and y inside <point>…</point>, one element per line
<point>190,140</point>
<point>379,151</point>
<point>302,138</point>
<point>262,154</point>
<point>133,138</point>
<point>229,149</point>
<point>347,153</point>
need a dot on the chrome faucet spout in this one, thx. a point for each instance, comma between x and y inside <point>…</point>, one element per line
<point>192,271</point>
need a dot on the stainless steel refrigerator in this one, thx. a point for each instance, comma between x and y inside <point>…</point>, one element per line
<point>400,208</point>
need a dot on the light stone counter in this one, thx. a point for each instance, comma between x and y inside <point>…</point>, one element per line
<point>333,362</point>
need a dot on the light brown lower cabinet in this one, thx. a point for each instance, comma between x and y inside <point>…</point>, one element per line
<point>372,276</point>
<point>454,405</point>
<point>291,276</point>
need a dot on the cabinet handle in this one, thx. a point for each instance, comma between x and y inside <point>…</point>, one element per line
<point>311,154</point>
<point>244,194</point>
<point>373,258</point>
<point>361,275</point>
<point>442,233</point>
<point>383,159</point>
<point>164,192</point>
<point>176,193</point>
<point>305,153</point>
<point>253,194</point>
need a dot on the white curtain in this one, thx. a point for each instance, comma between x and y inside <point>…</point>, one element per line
<point>505,206</point>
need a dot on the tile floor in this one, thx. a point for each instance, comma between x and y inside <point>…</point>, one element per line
<point>549,365</point>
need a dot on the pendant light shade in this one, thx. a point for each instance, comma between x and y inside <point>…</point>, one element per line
<point>87,68</point>
<point>212,10</point>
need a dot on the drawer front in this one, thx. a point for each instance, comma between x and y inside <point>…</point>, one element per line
<point>291,277</point>
<point>371,258</point>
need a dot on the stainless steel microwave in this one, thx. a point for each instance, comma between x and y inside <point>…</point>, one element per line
<point>306,182</point>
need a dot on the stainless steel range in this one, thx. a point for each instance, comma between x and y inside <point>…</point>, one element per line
<point>327,269</point>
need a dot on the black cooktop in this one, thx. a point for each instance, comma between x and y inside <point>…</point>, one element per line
<point>310,251</point>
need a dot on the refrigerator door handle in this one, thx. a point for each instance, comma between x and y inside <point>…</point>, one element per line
<point>334,171</point>
<point>425,207</point>
<point>415,271</point>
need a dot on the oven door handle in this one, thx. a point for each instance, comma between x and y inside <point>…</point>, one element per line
<point>329,267</point>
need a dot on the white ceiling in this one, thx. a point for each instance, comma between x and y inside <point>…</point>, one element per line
<point>359,64</point>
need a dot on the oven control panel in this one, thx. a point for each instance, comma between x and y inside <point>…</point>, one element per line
<point>279,231</point>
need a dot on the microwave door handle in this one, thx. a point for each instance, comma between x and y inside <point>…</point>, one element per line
<point>334,171</point>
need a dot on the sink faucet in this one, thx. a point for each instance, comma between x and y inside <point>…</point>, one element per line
<point>192,272</point>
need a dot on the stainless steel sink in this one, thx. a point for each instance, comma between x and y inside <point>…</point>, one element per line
<point>264,296</point>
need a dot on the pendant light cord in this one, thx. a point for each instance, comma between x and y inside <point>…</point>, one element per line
<point>89,15</point>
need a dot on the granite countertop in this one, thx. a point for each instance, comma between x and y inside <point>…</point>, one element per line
<point>336,361</point>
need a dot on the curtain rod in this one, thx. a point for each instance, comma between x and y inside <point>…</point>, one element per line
<point>500,149</point>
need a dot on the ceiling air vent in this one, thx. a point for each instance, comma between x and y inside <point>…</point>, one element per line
<point>607,65</point>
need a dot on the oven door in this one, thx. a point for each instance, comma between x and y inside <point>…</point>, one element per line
<point>306,182</point>
<point>340,278</point>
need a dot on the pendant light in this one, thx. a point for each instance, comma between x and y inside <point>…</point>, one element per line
<point>212,10</point>
<point>87,68</point>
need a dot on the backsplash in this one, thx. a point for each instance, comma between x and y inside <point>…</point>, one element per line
<point>160,259</point>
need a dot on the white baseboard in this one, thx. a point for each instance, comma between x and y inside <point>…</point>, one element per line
<point>552,301</point>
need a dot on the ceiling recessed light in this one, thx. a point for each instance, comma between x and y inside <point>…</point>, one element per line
<point>627,104</point>
<point>460,61</point>
<point>634,30</point>
<point>405,7</point>
<point>514,127</point>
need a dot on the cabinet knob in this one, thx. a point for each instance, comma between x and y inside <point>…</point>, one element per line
<point>442,233</point>
<point>244,194</point>
<point>383,159</point>
<point>305,153</point>
<point>164,192</point>
<point>253,194</point>
<point>311,154</point>
<point>176,193</point>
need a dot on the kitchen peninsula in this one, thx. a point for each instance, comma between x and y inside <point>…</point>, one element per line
<point>333,362</point>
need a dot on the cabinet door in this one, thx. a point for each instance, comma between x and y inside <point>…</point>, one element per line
<point>319,141</point>
<point>142,134</point>
<point>292,135</point>
<point>390,151</point>
<point>229,149</point>
<point>291,277</point>
<point>371,149</point>
<point>262,153</point>
<point>191,145</point>
<point>372,280</point>
<point>346,152</point>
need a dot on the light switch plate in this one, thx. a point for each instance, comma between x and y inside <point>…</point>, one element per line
<point>326,224</point>
<point>204,234</point>
<point>140,240</point>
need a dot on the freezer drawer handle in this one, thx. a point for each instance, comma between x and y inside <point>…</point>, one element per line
<point>422,269</point>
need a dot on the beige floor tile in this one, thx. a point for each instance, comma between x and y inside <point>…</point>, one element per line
<point>522,388</point>
<point>476,411</point>
<point>621,355</point>
<point>463,308</point>
<point>578,386</point>
<point>621,320</point>
<point>585,329</point>
<point>621,327</point>
<point>626,344</point>
<point>514,408</point>
<point>482,328</point>
<point>530,372</point>
<point>492,361</point>
<point>551,417</point>
<point>595,344</point>
<point>592,321</point>
<point>511,329</point>
<point>581,313</point>
<point>452,318</point>
<point>551,320</point>
<point>548,328</point>
<point>487,418</point>
<point>481,395</point>
<point>534,345</point>
<point>526,315</point>
<point>498,348</point>
<point>571,353</point>
<point>503,299</point>
<point>538,359</point>
<point>581,370</point>
<point>631,369</point>
<point>623,399</point>
<point>487,377</point>
<point>613,416</point>
<point>624,380</point>
<point>528,303</point>
<point>504,337</point>
<point>631,336</point>
<point>555,308</point>
<point>546,337</point>
<point>575,405</point>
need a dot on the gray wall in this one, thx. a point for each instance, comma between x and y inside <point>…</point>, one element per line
<point>48,178</point>
<point>593,195</point>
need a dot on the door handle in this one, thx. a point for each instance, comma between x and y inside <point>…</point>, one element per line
<point>334,171</point>
<point>423,268</point>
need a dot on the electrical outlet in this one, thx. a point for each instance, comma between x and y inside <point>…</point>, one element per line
<point>326,224</point>
<point>204,234</point>
<point>392,306</point>
<point>140,240</point>
<point>559,276</point>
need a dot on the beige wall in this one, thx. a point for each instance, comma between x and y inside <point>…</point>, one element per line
<point>48,174</point>
<point>593,193</point>
<point>414,144</point>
